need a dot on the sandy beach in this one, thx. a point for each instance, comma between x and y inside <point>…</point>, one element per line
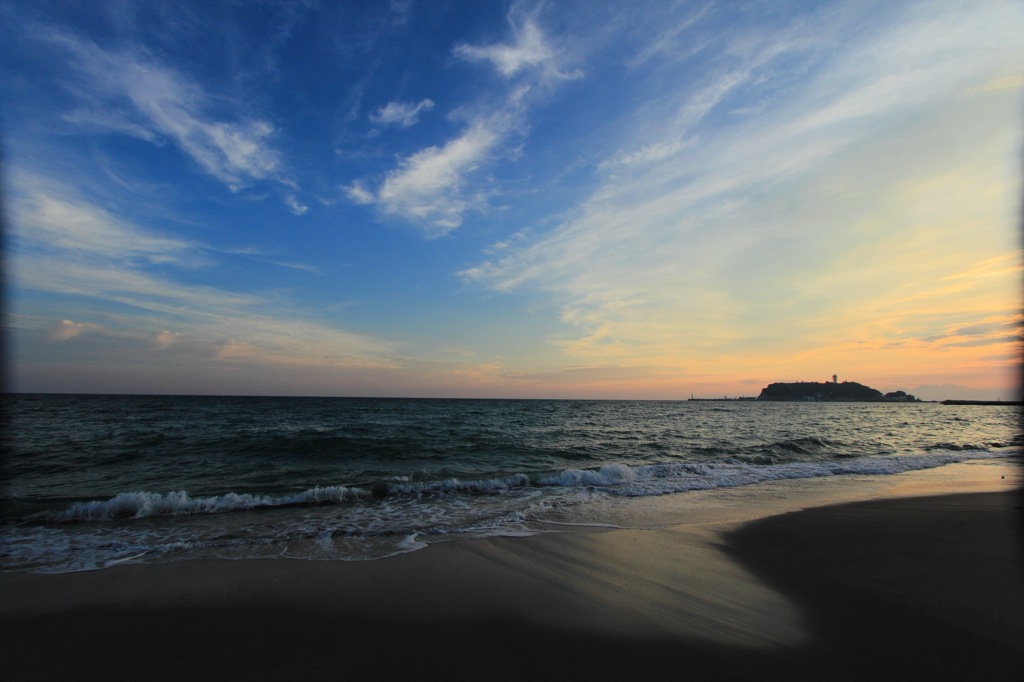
<point>895,588</point>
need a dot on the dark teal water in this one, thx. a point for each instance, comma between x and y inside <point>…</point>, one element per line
<point>95,480</point>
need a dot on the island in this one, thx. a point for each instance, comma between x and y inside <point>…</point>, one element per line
<point>832,391</point>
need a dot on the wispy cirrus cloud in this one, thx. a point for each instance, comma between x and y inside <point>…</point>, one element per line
<point>674,40</point>
<point>529,50</point>
<point>403,114</point>
<point>204,318</point>
<point>51,216</point>
<point>649,153</point>
<point>67,245</point>
<point>130,92</point>
<point>664,260</point>
<point>997,330</point>
<point>294,205</point>
<point>433,188</point>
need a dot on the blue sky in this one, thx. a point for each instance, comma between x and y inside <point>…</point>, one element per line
<point>571,199</point>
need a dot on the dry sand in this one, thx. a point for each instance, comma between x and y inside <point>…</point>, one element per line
<point>906,588</point>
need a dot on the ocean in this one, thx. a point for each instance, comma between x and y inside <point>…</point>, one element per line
<point>95,481</point>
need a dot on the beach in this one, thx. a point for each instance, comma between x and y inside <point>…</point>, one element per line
<point>917,575</point>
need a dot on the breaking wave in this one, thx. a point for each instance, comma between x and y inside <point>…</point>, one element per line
<point>615,479</point>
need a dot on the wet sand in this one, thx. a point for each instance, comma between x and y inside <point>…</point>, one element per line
<point>885,589</point>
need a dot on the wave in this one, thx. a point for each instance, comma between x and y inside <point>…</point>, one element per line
<point>1016,441</point>
<point>616,479</point>
<point>608,475</point>
<point>454,485</point>
<point>661,479</point>
<point>139,504</point>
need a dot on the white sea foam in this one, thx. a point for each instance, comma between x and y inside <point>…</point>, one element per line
<point>609,474</point>
<point>339,522</point>
<point>617,479</point>
<point>397,475</point>
<point>139,504</point>
<point>454,485</point>
<point>673,477</point>
<point>410,543</point>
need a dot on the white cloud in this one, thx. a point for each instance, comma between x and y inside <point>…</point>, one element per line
<point>650,153</point>
<point>68,330</point>
<point>165,339</point>
<point>293,204</point>
<point>120,282</point>
<point>426,187</point>
<point>162,103</point>
<point>529,50</point>
<point>312,269</point>
<point>114,120</point>
<point>710,230</point>
<point>358,194</point>
<point>668,42</point>
<point>233,350</point>
<point>52,216</point>
<point>272,331</point>
<point>404,114</point>
<point>432,188</point>
<point>66,245</point>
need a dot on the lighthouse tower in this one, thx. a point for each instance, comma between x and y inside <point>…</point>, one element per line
<point>835,379</point>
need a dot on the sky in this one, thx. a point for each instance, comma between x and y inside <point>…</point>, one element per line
<point>572,199</point>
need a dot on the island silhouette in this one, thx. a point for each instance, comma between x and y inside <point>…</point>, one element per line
<point>831,391</point>
<point>842,392</point>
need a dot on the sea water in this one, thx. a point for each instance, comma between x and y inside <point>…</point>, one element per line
<point>93,481</point>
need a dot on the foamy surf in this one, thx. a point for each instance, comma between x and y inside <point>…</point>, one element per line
<point>353,480</point>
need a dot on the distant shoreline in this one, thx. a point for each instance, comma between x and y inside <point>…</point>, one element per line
<point>712,400</point>
<point>217,396</point>
<point>890,402</point>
